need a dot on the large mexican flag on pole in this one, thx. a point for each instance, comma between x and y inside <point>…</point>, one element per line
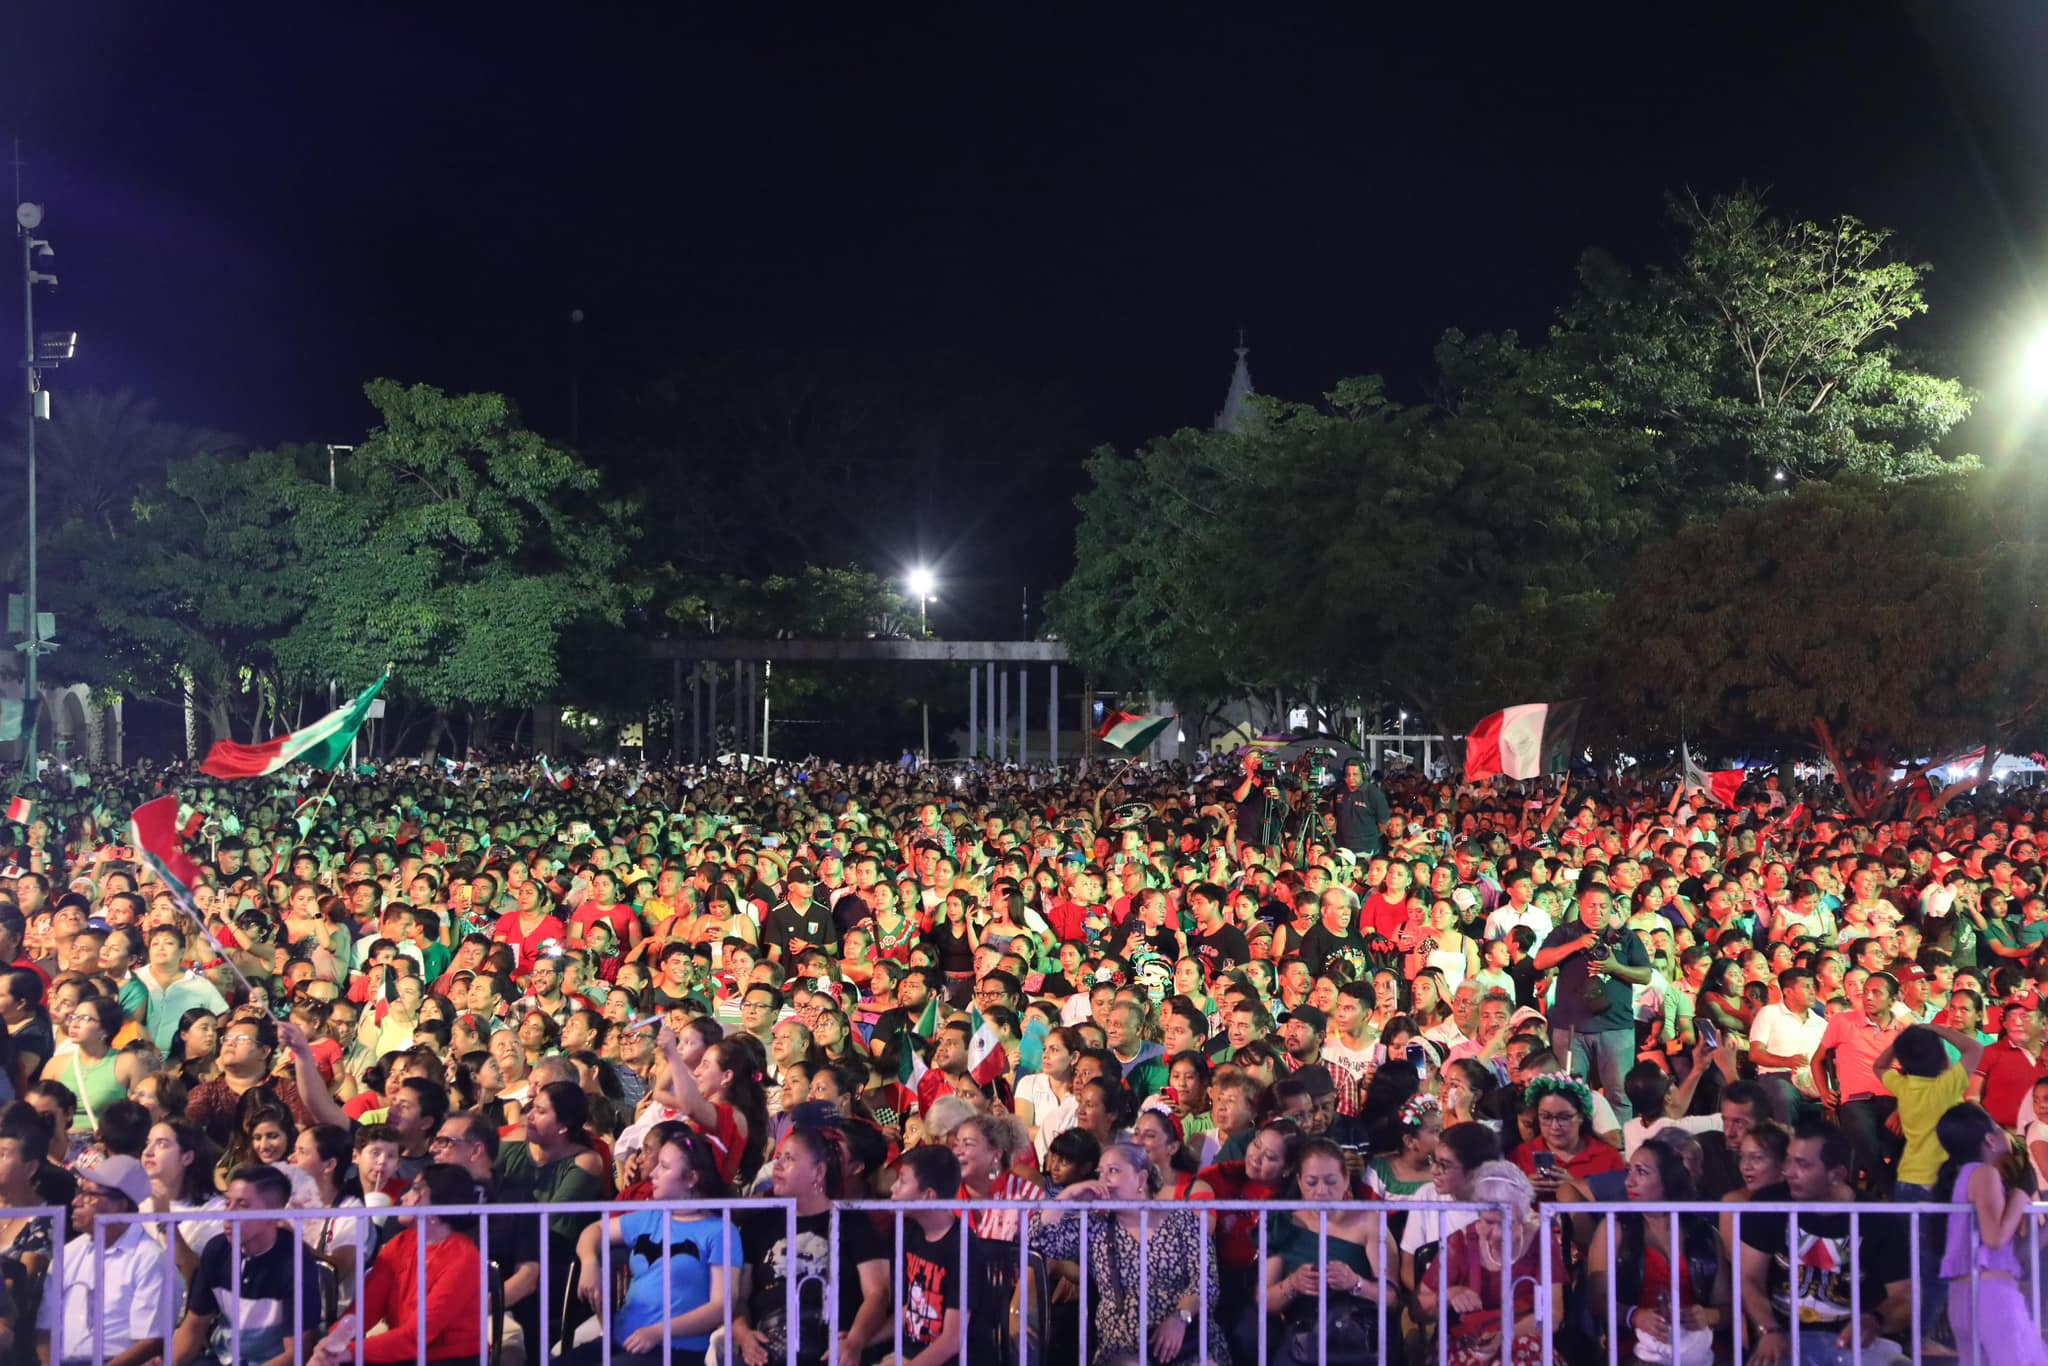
<point>322,744</point>
<point>1522,742</point>
<point>1128,734</point>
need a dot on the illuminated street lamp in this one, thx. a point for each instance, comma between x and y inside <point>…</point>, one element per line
<point>921,585</point>
<point>2034,366</point>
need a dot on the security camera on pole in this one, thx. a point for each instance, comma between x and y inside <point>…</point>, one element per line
<point>38,354</point>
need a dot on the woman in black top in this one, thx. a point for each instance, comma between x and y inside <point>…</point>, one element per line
<point>810,1168</point>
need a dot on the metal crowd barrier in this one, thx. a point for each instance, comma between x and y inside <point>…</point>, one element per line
<point>1032,1216</point>
<point>538,1353</point>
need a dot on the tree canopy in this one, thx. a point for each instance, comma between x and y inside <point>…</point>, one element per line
<point>1462,554</point>
<point>458,546</point>
<point>1893,626</point>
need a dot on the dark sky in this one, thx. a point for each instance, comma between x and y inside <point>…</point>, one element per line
<point>257,208</point>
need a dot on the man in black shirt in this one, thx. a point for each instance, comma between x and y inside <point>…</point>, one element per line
<point>470,1141</point>
<point>1358,808</point>
<point>1830,1257</point>
<point>1332,936</point>
<point>798,923</point>
<point>1217,942</point>
<point>928,1267</point>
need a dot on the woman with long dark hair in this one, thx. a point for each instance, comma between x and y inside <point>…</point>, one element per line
<point>811,1169</point>
<point>323,1152</point>
<point>195,1048</point>
<point>723,1096</point>
<point>1988,1310</point>
<point>1642,1257</point>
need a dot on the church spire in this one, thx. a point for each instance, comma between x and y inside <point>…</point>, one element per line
<point>1235,410</point>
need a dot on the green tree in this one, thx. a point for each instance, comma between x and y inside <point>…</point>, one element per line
<point>1892,626</point>
<point>191,586</point>
<point>459,549</point>
<point>1767,355</point>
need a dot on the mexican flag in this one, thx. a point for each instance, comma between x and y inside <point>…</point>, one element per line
<point>1522,742</point>
<point>1721,784</point>
<point>986,1058</point>
<point>20,810</point>
<point>323,744</point>
<point>161,844</point>
<point>1128,734</point>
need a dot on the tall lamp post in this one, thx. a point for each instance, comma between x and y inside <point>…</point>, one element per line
<point>39,353</point>
<point>921,585</point>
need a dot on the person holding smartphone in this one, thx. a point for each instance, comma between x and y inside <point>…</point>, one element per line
<point>1565,1151</point>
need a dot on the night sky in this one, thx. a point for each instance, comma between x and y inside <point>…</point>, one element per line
<point>257,208</point>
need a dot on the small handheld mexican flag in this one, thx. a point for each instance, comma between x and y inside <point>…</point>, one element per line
<point>20,810</point>
<point>986,1057</point>
<point>1128,734</point>
<point>324,744</point>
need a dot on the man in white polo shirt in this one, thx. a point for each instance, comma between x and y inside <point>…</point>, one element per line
<point>118,1318</point>
<point>1784,1037</point>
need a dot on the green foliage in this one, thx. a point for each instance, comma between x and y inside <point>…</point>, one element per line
<point>1462,556</point>
<point>461,548</point>
<point>195,583</point>
<point>1765,357</point>
<point>1889,624</point>
<point>817,603</point>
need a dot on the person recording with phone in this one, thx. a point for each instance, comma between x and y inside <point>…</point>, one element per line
<point>1592,1019</point>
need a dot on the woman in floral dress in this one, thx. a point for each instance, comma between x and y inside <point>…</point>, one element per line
<point>1174,1278</point>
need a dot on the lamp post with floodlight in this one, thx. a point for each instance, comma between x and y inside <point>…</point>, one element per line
<point>921,585</point>
<point>39,353</point>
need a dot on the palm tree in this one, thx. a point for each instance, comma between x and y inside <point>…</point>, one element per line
<point>95,454</point>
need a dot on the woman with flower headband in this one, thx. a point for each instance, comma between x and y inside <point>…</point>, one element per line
<point>1565,1151</point>
<point>1403,1173</point>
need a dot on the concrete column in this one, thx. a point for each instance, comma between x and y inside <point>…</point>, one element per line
<point>1023,714</point>
<point>675,711</point>
<point>988,673</point>
<point>696,713</point>
<point>1003,715</point>
<point>711,714</point>
<point>973,709</point>
<point>1087,717</point>
<point>1052,718</point>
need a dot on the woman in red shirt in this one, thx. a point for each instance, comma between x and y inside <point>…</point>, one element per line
<point>529,927</point>
<point>1565,1144</point>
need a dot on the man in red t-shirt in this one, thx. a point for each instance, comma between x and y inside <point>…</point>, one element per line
<point>2011,1066</point>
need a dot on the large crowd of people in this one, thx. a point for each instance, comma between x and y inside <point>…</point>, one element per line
<point>639,993</point>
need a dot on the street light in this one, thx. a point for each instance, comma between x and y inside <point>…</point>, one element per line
<point>2034,366</point>
<point>39,353</point>
<point>921,585</point>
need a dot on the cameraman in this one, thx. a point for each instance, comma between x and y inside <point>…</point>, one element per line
<point>1592,1019</point>
<point>1358,808</point>
<point>1257,803</point>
